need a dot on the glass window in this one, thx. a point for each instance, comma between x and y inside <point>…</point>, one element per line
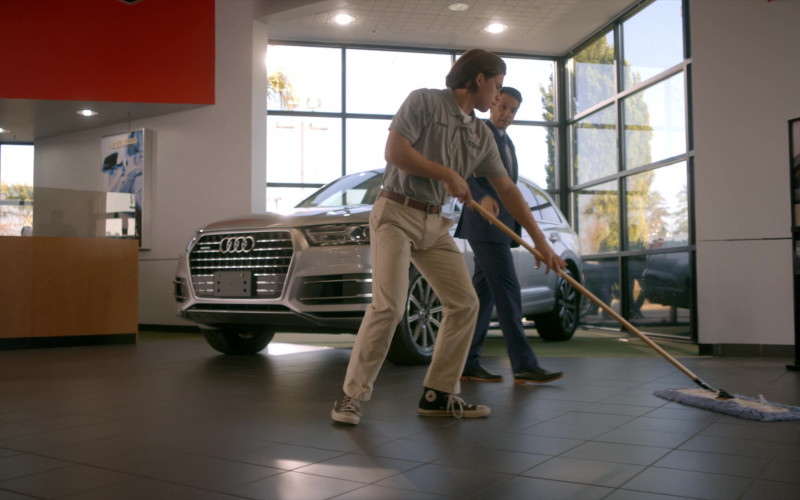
<point>652,41</point>
<point>657,208</point>
<point>594,146</point>
<point>534,79</point>
<point>304,78</point>
<point>601,277</point>
<point>530,199</point>
<point>659,292</point>
<point>597,216</point>
<point>549,212</point>
<point>655,123</point>
<point>535,153</point>
<point>366,144</point>
<point>590,75</point>
<point>378,81</point>
<point>283,199</point>
<point>303,149</point>
<point>16,190</point>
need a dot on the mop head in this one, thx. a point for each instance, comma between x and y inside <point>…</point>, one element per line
<point>738,406</point>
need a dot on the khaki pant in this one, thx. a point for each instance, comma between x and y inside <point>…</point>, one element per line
<point>399,235</point>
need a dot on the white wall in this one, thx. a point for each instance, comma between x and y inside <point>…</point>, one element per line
<point>208,162</point>
<point>746,71</point>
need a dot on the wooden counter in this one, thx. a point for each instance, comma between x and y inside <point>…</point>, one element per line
<point>67,291</point>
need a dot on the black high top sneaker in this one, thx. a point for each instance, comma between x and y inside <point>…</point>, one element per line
<point>435,403</point>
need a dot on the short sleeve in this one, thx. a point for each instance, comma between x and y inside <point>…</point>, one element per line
<point>413,116</point>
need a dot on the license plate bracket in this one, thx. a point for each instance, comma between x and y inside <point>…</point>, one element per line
<point>233,284</point>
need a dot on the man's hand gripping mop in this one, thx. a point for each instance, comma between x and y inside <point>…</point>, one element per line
<point>705,396</point>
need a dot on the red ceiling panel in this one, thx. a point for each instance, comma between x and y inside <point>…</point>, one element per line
<point>155,51</point>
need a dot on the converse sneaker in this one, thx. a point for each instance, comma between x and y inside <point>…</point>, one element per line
<point>435,403</point>
<point>346,410</point>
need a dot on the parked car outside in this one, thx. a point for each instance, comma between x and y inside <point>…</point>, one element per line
<point>242,280</point>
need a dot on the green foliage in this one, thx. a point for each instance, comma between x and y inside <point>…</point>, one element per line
<point>279,88</point>
<point>22,192</point>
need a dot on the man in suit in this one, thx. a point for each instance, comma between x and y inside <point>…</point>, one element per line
<point>495,278</point>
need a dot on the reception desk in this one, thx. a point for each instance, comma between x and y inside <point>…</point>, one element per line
<point>67,291</point>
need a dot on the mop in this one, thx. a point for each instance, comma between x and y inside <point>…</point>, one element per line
<point>705,396</point>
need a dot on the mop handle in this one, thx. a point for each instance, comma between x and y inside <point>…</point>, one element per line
<point>575,284</point>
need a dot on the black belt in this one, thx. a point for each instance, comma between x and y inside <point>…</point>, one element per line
<point>411,202</point>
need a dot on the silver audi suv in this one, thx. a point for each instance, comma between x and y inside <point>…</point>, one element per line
<point>242,280</point>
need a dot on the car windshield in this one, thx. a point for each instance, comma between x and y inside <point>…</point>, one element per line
<point>356,189</point>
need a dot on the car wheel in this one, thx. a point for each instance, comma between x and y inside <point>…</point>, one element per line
<point>415,336</point>
<point>238,341</point>
<point>560,323</point>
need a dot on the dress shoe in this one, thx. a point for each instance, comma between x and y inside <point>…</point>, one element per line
<point>480,374</point>
<point>537,376</point>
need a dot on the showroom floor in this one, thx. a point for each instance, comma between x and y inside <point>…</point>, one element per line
<point>172,419</point>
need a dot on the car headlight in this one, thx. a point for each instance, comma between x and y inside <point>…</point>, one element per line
<point>338,234</point>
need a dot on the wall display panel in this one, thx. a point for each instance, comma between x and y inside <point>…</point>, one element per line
<point>366,144</point>
<point>657,208</point>
<point>594,146</point>
<point>590,75</point>
<point>652,41</point>
<point>304,78</point>
<point>596,217</point>
<point>125,170</point>
<point>303,149</point>
<point>379,81</point>
<point>655,123</point>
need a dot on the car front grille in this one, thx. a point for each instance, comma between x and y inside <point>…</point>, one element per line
<point>258,261</point>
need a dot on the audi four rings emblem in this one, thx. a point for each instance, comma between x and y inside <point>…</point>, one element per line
<point>237,244</point>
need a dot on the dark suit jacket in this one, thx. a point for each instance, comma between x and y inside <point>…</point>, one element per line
<point>472,225</point>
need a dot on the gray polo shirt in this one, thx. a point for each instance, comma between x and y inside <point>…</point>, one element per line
<point>437,128</point>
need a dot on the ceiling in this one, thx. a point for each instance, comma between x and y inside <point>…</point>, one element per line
<point>540,27</point>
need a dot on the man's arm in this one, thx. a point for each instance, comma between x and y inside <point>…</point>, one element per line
<point>515,204</point>
<point>402,155</point>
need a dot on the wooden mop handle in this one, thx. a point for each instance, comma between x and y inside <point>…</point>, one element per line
<point>575,284</point>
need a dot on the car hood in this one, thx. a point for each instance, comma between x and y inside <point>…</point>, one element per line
<point>299,217</point>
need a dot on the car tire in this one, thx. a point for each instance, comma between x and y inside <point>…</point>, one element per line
<point>560,324</point>
<point>242,341</point>
<point>415,336</point>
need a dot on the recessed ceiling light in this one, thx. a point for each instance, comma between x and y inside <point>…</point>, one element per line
<point>343,19</point>
<point>86,112</point>
<point>496,28</point>
<point>458,7</point>
<point>4,130</point>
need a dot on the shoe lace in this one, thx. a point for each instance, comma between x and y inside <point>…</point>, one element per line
<point>455,405</point>
<point>349,404</point>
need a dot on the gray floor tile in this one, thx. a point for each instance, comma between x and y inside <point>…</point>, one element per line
<point>294,485</point>
<point>644,437</point>
<point>357,467</point>
<point>173,419</point>
<point>63,481</point>
<point>773,490</point>
<point>441,480</point>
<point>543,489</point>
<point>576,470</point>
<point>23,464</point>
<point>689,483</point>
<point>783,471</point>
<point>619,453</point>
<point>716,463</point>
<point>493,460</point>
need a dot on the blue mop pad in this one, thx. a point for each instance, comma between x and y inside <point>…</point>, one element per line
<point>738,406</point>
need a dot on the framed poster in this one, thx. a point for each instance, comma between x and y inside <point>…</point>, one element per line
<point>126,181</point>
